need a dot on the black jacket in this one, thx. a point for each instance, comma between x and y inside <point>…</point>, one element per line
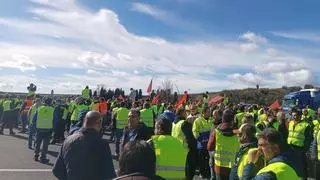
<point>84,155</point>
<point>186,128</point>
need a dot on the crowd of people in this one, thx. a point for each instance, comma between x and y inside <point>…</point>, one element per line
<point>167,140</point>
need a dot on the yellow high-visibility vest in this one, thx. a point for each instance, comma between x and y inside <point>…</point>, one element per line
<point>171,157</point>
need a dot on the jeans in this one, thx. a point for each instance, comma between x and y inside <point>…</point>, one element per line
<point>44,139</point>
<point>119,134</point>
<point>24,121</point>
<point>32,132</point>
<point>211,165</point>
<point>204,163</point>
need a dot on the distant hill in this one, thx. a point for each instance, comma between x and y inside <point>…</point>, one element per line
<point>263,96</point>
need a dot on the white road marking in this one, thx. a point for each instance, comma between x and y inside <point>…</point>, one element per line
<point>25,170</point>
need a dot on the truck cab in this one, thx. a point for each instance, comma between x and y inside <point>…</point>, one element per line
<point>301,99</point>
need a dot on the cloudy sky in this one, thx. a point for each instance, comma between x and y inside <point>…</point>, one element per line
<point>201,45</point>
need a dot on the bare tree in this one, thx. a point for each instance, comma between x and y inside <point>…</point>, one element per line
<point>167,87</point>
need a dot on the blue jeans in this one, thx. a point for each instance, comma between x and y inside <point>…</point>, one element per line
<point>24,121</point>
<point>119,134</point>
<point>211,165</point>
<point>32,132</point>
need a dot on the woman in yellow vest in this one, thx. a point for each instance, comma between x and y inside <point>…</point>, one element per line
<point>170,152</point>
<point>271,147</point>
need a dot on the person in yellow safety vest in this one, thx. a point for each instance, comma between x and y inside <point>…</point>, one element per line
<point>225,144</point>
<point>239,116</point>
<point>272,120</point>
<point>114,108</point>
<point>120,119</point>
<point>170,152</point>
<point>249,142</point>
<point>32,128</point>
<point>182,130</point>
<point>315,155</point>
<point>158,109</point>
<point>86,93</point>
<point>299,139</point>
<point>94,106</point>
<point>147,116</point>
<point>316,125</point>
<point>7,117</point>
<point>311,112</point>
<point>279,166</point>
<point>201,131</point>
<point>43,120</point>
<point>306,117</point>
<point>80,106</point>
<point>262,121</point>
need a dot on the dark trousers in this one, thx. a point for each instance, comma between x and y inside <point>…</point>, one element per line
<point>191,164</point>
<point>44,139</point>
<point>24,121</point>
<point>119,134</point>
<point>204,163</point>
<point>300,154</point>
<point>6,120</point>
<point>59,131</point>
<point>68,122</point>
<point>316,169</point>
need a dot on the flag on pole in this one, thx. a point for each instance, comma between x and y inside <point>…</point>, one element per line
<point>149,89</point>
<point>182,100</point>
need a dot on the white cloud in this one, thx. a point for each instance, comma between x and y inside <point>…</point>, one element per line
<point>309,36</point>
<point>248,79</point>
<point>254,38</point>
<point>99,42</point>
<point>149,10</point>
<point>94,72</point>
<point>272,52</point>
<point>277,74</point>
<point>279,67</point>
<point>21,62</point>
<point>297,77</point>
<point>248,47</point>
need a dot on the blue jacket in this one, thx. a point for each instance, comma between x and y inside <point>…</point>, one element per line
<point>248,172</point>
<point>57,115</point>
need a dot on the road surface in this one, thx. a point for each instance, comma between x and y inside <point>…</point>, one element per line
<point>16,160</point>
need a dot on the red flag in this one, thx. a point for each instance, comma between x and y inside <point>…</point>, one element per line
<point>155,99</point>
<point>121,98</point>
<point>215,99</point>
<point>275,105</point>
<point>149,89</point>
<point>182,100</point>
